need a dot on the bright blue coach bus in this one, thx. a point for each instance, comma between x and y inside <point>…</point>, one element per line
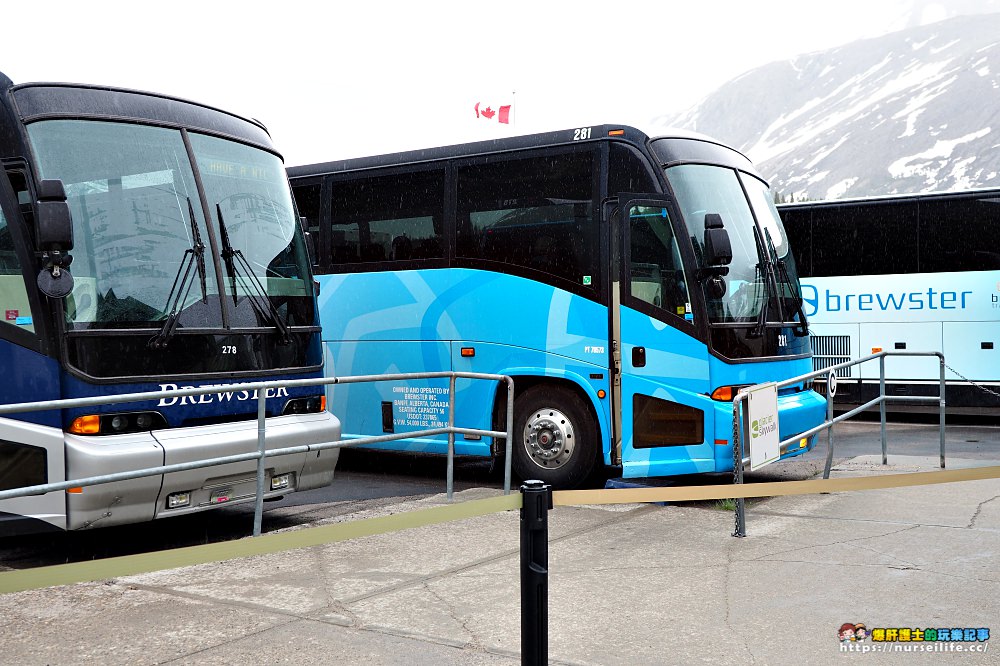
<point>189,268</point>
<point>630,285</point>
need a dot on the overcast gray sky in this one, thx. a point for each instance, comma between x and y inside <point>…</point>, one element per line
<point>336,80</point>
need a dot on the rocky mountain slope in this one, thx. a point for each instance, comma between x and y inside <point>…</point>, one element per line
<point>913,111</point>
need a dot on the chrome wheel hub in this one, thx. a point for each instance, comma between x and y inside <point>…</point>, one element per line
<point>549,438</point>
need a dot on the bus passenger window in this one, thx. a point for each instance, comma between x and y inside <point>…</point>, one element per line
<point>535,213</point>
<point>656,272</point>
<point>307,199</point>
<point>388,218</point>
<point>628,172</point>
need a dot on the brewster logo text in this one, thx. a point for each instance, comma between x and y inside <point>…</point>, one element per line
<point>930,299</point>
<point>221,396</point>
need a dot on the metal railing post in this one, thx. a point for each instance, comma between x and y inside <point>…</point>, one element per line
<point>509,448</point>
<point>740,528</point>
<point>829,431</point>
<point>535,504</point>
<point>258,509</point>
<point>881,405</point>
<point>942,404</point>
<point>451,438</point>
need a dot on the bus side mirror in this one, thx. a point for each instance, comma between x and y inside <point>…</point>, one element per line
<point>54,229</point>
<point>54,237</point>
<point>718,249</point>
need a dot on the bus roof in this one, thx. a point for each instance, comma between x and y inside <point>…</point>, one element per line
<point>506,144</point>
<point>41,100</point>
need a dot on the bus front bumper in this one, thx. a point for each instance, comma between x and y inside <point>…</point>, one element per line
<point>189,491</point>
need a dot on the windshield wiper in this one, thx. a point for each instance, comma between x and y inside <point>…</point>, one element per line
<point>194,258</point>
<point>797,302</point>
<point>765,271</point>
<point>237,263</point>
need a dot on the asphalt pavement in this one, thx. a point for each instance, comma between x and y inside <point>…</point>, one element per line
<point>628,584</point>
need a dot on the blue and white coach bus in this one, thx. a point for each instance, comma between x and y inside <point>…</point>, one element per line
<point>910,272</point>
<point>189,268</point>
<point>630,285</point>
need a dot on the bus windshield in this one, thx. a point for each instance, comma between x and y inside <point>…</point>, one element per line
<point>759,249</point>
<point>248,192</point>
<point>143,246</point>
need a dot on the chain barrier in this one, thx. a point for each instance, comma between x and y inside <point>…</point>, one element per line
<point>982,388</point>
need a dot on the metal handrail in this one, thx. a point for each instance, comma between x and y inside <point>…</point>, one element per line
<point>830,372</point>
<point>262,454</point>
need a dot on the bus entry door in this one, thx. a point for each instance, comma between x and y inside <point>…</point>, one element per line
<point>667,418</point>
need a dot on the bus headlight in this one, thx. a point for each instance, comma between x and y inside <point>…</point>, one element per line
<point>117,424</point>
<point>312,405</point>
<point>727,393</point>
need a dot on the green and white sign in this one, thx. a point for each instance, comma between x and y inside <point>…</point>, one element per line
<point>762,414</point>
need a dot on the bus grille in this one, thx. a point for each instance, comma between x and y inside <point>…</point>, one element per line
<point>830,350</point>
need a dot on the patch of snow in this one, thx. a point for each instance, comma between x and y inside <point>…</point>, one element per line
<point>824,152</point>
<point>935,51</point>
<point>924,163</point>
<point>919,102</point>
<point>817,177</point>
<point>838,190</point>
<point>983,71</point>
<point>961,180</point>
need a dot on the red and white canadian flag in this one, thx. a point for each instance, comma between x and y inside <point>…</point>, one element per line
<point>501,114</point>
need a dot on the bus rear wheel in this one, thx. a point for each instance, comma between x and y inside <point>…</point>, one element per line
<point>555,437</point>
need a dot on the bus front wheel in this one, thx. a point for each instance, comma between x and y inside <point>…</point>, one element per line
<point>555,437</point>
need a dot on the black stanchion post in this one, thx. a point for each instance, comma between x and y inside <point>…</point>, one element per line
<point>535,505</point>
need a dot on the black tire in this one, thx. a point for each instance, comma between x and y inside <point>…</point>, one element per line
<point>546,416</point>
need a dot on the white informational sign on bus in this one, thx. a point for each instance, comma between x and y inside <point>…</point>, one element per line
<point>762,413</point>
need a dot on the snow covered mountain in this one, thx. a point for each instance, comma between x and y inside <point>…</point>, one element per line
<point>913,111</point>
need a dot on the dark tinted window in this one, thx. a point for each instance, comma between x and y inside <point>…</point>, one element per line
<point>535,213</point>
<point>798,227</point>
<point>627,172</point>
<point>866,239</point>
<point>959,235</point>
<point>395,217</point>
<point>307,198</point>
<point>930,235</point>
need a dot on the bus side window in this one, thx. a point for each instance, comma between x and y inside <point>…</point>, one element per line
<point>535,213</point>
<point>628,172</point>
<point>656,272</point>
<point>307,199</point>
<point>389,218</point>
